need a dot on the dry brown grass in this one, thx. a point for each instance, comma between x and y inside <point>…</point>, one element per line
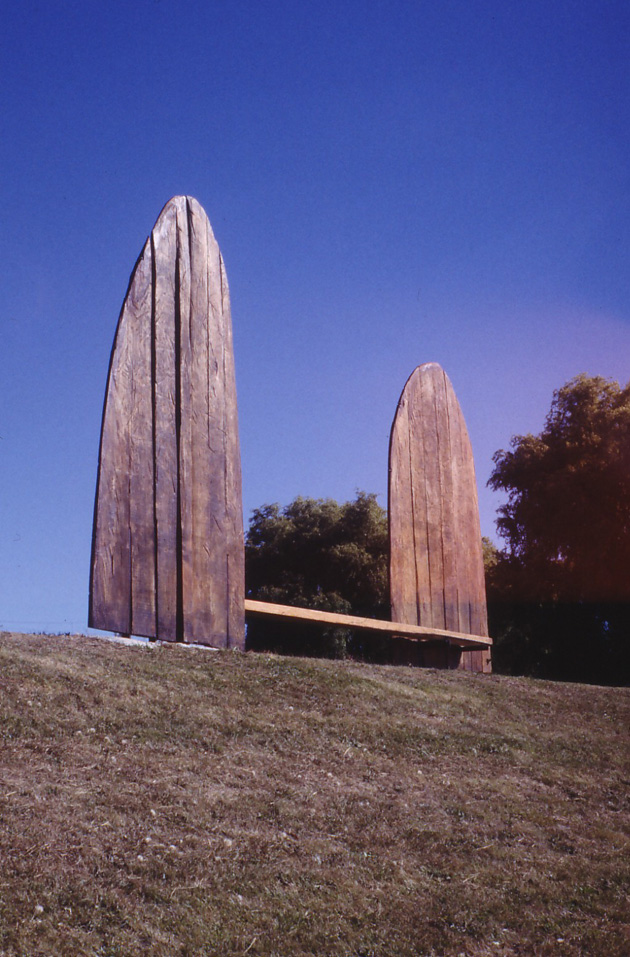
<point>174,801</point>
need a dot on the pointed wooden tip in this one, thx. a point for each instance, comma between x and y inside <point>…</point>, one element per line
<point>185,208</point>
<point>425,372</point>
<point>181,201</point>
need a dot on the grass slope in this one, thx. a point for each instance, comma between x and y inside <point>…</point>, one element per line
<point>164,800</point>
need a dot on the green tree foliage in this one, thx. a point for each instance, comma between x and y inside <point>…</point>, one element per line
<point>559,594</point>
<point>318,553</point>
<point>491,555</point>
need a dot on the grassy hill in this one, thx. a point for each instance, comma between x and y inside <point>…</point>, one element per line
<point>174,801</point>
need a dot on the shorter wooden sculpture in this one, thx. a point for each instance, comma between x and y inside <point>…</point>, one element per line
<point>167,549</point>
<point>436,561</point>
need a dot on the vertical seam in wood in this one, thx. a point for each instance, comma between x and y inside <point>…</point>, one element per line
<point>207,327</point>
<point>179,606</point>
<point>426,512</point>
<point>441,501</point>
<point>192,568</point>
<point>413,514</point>
<point>211,618</point>
<point>189,219</point>
<point>224,429</point>
<point>130,536</point>
<point>154,431</point>
<point>455,570</point>
<point>228,636</point>
<point>130,624</point>
<point>224,439</point>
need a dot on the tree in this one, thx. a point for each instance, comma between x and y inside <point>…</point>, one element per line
<point>562,585</point>
<point>317,553</point>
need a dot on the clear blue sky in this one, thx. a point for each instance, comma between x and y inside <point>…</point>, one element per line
<point>390,183</point>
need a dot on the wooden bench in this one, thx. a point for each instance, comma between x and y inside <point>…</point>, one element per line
<point>265,609</point>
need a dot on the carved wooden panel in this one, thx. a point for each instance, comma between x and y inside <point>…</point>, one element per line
<point>436,561</point>
<point>167,550</point>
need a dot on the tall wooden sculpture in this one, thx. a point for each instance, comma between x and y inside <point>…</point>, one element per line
<point>167,548</point>
<point>436,563</point>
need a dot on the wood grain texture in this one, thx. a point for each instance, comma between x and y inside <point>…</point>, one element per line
<point>265,609</point>
<point>167,552</point>
<point>436,561</point>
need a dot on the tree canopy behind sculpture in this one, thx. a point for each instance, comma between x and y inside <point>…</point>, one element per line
<point>559,594</point>
<point>567,518</point>
<point>317,553</point>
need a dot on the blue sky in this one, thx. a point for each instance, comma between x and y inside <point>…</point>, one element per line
<point>390,184</point>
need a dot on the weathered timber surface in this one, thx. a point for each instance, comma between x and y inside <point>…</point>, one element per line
<point>417,632</point>
<point>436,562</point>
<point>167,550</point>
